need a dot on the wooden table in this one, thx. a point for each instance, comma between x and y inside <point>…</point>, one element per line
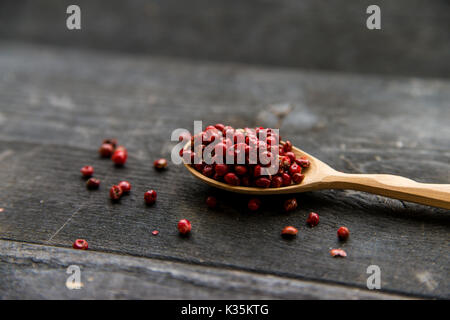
<point>57,105</point>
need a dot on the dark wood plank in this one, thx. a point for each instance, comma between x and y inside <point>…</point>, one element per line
<point>40,272</point>
<point>57,105</point>
<point>326,35</point>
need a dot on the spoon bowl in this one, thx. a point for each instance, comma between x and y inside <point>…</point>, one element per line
<point>320,176</point>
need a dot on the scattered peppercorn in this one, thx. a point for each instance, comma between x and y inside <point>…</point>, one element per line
<point>211,202</point>
<point>343,233</point>
<point>289,232</point>
<point>87,171</point>
<point>112,142</point>
<point>125,186</point>
<point>106,150</point>
<point>115,192</point>
<point>338,253</point>
<point>313,219</point>
<point>119,157</point>
<point>93,183</point>
<point>184,226</point>
<point>150,196</point>
<point>254,204</point>
<point>290,204</point>
<point>160,164</point>
<point>155,232</point>
<point>80,244</point>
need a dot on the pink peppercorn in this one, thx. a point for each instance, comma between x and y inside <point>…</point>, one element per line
<point>290,204</point>
<point>80,244</point>
<point>338,253</point>
<point>150,196</point>
<point>115,192</point>
<point>119,157</point>
<point>208,170</point>
<point>295,168</point>
<point>87,171</point>
<point>160,164</point>
<point>93,183</point>
<point>313,219</point>
<point>343,233</point>
<point>289,232</point>
<point>211,202</point>
<point>254,204</point>
<point>263,182</point>
<point>240,170</point>
<point>184,226</point>
<point>286,179</point>
<point>303,162</point>
<point>232,179</point>
<point>277,182</point>
<point>221,169</point>
<point>106,150</point>
<point>287,147</point>
<point>125,186</point>
<point>298,178</point>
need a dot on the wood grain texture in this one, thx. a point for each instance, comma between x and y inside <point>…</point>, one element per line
<point>325,35</point>
<point>39,272</point>
<point>57,105</point>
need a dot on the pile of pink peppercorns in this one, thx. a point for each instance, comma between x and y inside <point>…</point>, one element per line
<point>249,172</point>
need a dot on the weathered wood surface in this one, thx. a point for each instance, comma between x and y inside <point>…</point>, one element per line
<point>57,105</point>
<point>35,271</point>
<point>326,35</point>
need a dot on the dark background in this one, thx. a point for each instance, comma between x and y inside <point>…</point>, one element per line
<point>309,34</point>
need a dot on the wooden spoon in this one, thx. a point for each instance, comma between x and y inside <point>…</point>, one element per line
<point>320,176</point>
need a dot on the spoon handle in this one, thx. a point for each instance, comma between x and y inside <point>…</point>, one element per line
<point>437,195</point>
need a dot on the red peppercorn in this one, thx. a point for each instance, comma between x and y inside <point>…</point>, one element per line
<point>112,142</point>
<point>291,156</point>
<point>119,157</point>
<point>263,182</point>
<point>93,183</point>
<point>285,162</point>
<point>302,162</point>
<point>160,164</point>
<point>257,171</point>
<point>221,169</point>
<point>313,219</point>
<point>80,244</point>
<point>125,186</point>
<point>298,178</point>
<point>208,170</point>
<point>287,147</point>
<point>343,233</point>
<point>240,170</point>
<point>277,182</point>
<point>106,150</point>
<point>87,171</point>
<point>184,226</point>
<point>286,179</point>
<point>289,231</point>
<point>338,253</point>
<point>290,204</point>
<point>155,232</point>
<point>254,204</point>
<point>295,168</point>
<point>115,192</point>
<point>211,202</point>
<point>232,179</point>
<point>150,196</point>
